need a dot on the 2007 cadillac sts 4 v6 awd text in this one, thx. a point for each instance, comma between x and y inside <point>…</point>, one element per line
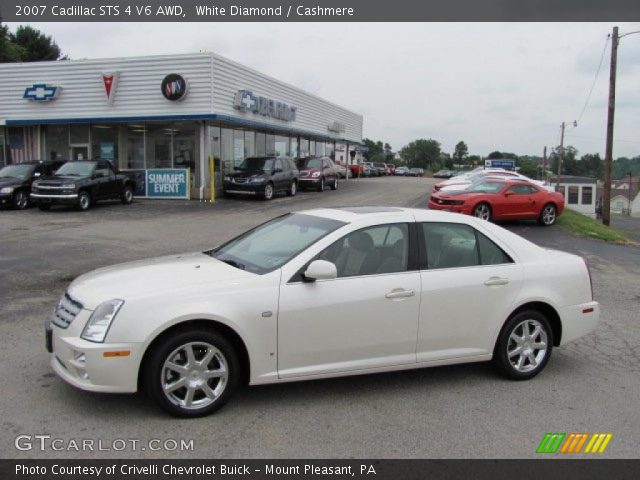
<point>316,294</point>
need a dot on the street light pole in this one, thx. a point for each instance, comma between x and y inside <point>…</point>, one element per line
<point>561,156</point>
<point>608,156</point>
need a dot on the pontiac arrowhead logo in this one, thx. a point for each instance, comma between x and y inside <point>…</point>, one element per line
<point>40,92</point>
<point>110,81</point>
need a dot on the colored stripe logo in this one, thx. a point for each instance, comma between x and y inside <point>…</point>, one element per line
<point>574,443</point>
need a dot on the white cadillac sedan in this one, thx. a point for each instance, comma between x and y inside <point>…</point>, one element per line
<point>316,294</point>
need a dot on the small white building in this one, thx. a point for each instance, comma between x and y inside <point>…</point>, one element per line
<point>579,193</point>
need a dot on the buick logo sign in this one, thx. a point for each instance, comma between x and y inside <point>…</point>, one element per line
<point>174,87</point>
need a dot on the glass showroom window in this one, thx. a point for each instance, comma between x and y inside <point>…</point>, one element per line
<point>238,147</point>
<point>79,134</point>
<point>329,150</point>
<point>134,147</point>
<point>56,142</point>
<point>158,145</point>
<point>271,144</point>
<point>261,144</point>
<point>293,148</point>
<point>304,147</point>
<point>249,144</point>
<point>226,147</point>
<point>587,195</point>
<point>281,146</point>
<point>320,149</point>
<point>104,142</point>
<point>186,145</point>
<point>573,195</point>
<point>312,148</point>
<point>3,153</point>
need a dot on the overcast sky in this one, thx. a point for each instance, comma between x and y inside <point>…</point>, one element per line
<point>496,86</point>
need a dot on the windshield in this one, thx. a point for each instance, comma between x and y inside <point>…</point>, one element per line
<point>272,244</point>
<point>257,164</point>
<point>489,187</point>
<point>80,169</point>
<point>17,171</point>
<point>314,163</point>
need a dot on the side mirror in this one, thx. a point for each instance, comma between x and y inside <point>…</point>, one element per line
<point>508,194</point>
<point>320,270</point>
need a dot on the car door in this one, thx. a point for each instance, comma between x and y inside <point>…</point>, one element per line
<point>365,318</point>
<point>328,171</point>
<point>280,180</point>
<point>469,284</point>
<point>514,202</point>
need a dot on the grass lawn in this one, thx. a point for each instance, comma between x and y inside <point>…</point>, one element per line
<point>588,227</point>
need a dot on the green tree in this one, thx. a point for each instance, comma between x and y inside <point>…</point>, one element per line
<point>461,152</point>
<point>422,153</point>
<point>9,51</point>
<point>375,148</point>
<point>568,160</point>
<point>475,160</point>
<point>388,153</point>
<point>34,45</point>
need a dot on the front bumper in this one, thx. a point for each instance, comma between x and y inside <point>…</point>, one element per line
<point>244,188</point>
<point>309,180</point>
<point>450,208</point>
<point>6,198</point>
<point>49,199</point>
<point>84,365</point>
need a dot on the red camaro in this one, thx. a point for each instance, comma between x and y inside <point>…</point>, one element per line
<point>502,199</point>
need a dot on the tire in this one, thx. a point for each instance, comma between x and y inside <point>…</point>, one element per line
<point>84,201</point>
<point>334,185</point>
<point>321,185</point>
<point>191,400</point>
<point>20,200</point>
<point>482,211</point>
<point>548,215</point>
<point>526,365</point>
<point>44,207</point>
<point>268,191</point>
<point>127,195</point>
<point>293,189</point>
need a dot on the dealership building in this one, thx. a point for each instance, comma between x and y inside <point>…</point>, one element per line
<point>166,112</point>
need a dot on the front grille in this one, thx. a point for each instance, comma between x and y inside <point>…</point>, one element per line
<point>441,201</point>
<point>304,174</point>
<point>66,311</point>
<point>240,180</point>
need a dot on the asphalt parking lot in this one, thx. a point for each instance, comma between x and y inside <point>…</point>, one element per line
<point>591,385</point>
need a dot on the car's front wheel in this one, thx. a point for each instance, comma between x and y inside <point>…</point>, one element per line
<point>20,200</point>
<point>524,345</point>
<point>84,201</point>
<point>321,185</point>
<point>191,373</point>
<point>268,191</point>
<point>548,215</point>
<point>482,211</point>
<point>334,185</point>
<point>293,189</point>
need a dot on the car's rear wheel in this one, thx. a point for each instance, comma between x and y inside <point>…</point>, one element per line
<point>84,201</point>
<point>20,200</point>
<point>268,191</point>
<point>334,185</point>
<point>321,185</point>
<point>482,211</point>
<point>191,373</point>
<point>524,345</point>
<point>127,195</point>
<point>293,189</point>
<point>548,215</point>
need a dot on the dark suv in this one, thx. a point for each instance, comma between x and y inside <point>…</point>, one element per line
<point>263,176</point>
<point>16,180</point>
<point>318,172</point>
<point>81,183</point>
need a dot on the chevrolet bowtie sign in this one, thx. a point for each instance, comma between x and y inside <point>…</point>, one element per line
<point>248,102</point>
<point>41,92</point>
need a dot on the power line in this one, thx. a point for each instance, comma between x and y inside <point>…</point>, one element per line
<point>595,79</point>
<point>601,138</point>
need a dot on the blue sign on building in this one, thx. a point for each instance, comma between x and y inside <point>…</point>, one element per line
<point>167,183</point>
<point>500,163</point>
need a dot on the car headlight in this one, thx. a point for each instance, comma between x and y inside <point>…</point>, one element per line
<point>69,185</point>
<point>257,180</point>
<point>100,320</point>
<point>227,178</point>
<point>6,190</point>
<point>315,174</point>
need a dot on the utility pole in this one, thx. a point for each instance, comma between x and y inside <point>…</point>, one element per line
<point>608,156</point>
<point>544,163</point>
<point>561,156</point>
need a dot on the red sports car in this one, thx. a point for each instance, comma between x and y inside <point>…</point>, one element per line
<point>502,199</point>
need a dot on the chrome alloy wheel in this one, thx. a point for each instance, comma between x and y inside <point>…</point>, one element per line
<point>194,375</point>
<point>294,188</point>
<point>527,346</point>
<point>549,215</point>
<point>268,191</point>
<point>21,200</point>
<point>128,195</point>
<point>483,211</point>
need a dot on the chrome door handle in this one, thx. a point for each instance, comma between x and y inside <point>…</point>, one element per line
<point>496,281</point>
<point>400,293</point>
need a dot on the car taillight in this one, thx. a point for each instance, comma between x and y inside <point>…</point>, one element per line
<point>586,263</point>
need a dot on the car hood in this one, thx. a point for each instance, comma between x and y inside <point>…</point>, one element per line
<point>60,179</point>
<point>154,276</point>
<point>248,174</point>
<point>11,182</point>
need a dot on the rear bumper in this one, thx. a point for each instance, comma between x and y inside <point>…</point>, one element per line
<point>578,320</point>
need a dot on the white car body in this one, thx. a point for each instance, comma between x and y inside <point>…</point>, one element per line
<point>343,326</point>
<point>456,183</point>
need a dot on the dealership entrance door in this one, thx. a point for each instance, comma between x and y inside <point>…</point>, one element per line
<point>79,152</point>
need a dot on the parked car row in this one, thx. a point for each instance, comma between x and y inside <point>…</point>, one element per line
<point>266,176</point>
<point>462,181</point>
<point>46,183</point>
